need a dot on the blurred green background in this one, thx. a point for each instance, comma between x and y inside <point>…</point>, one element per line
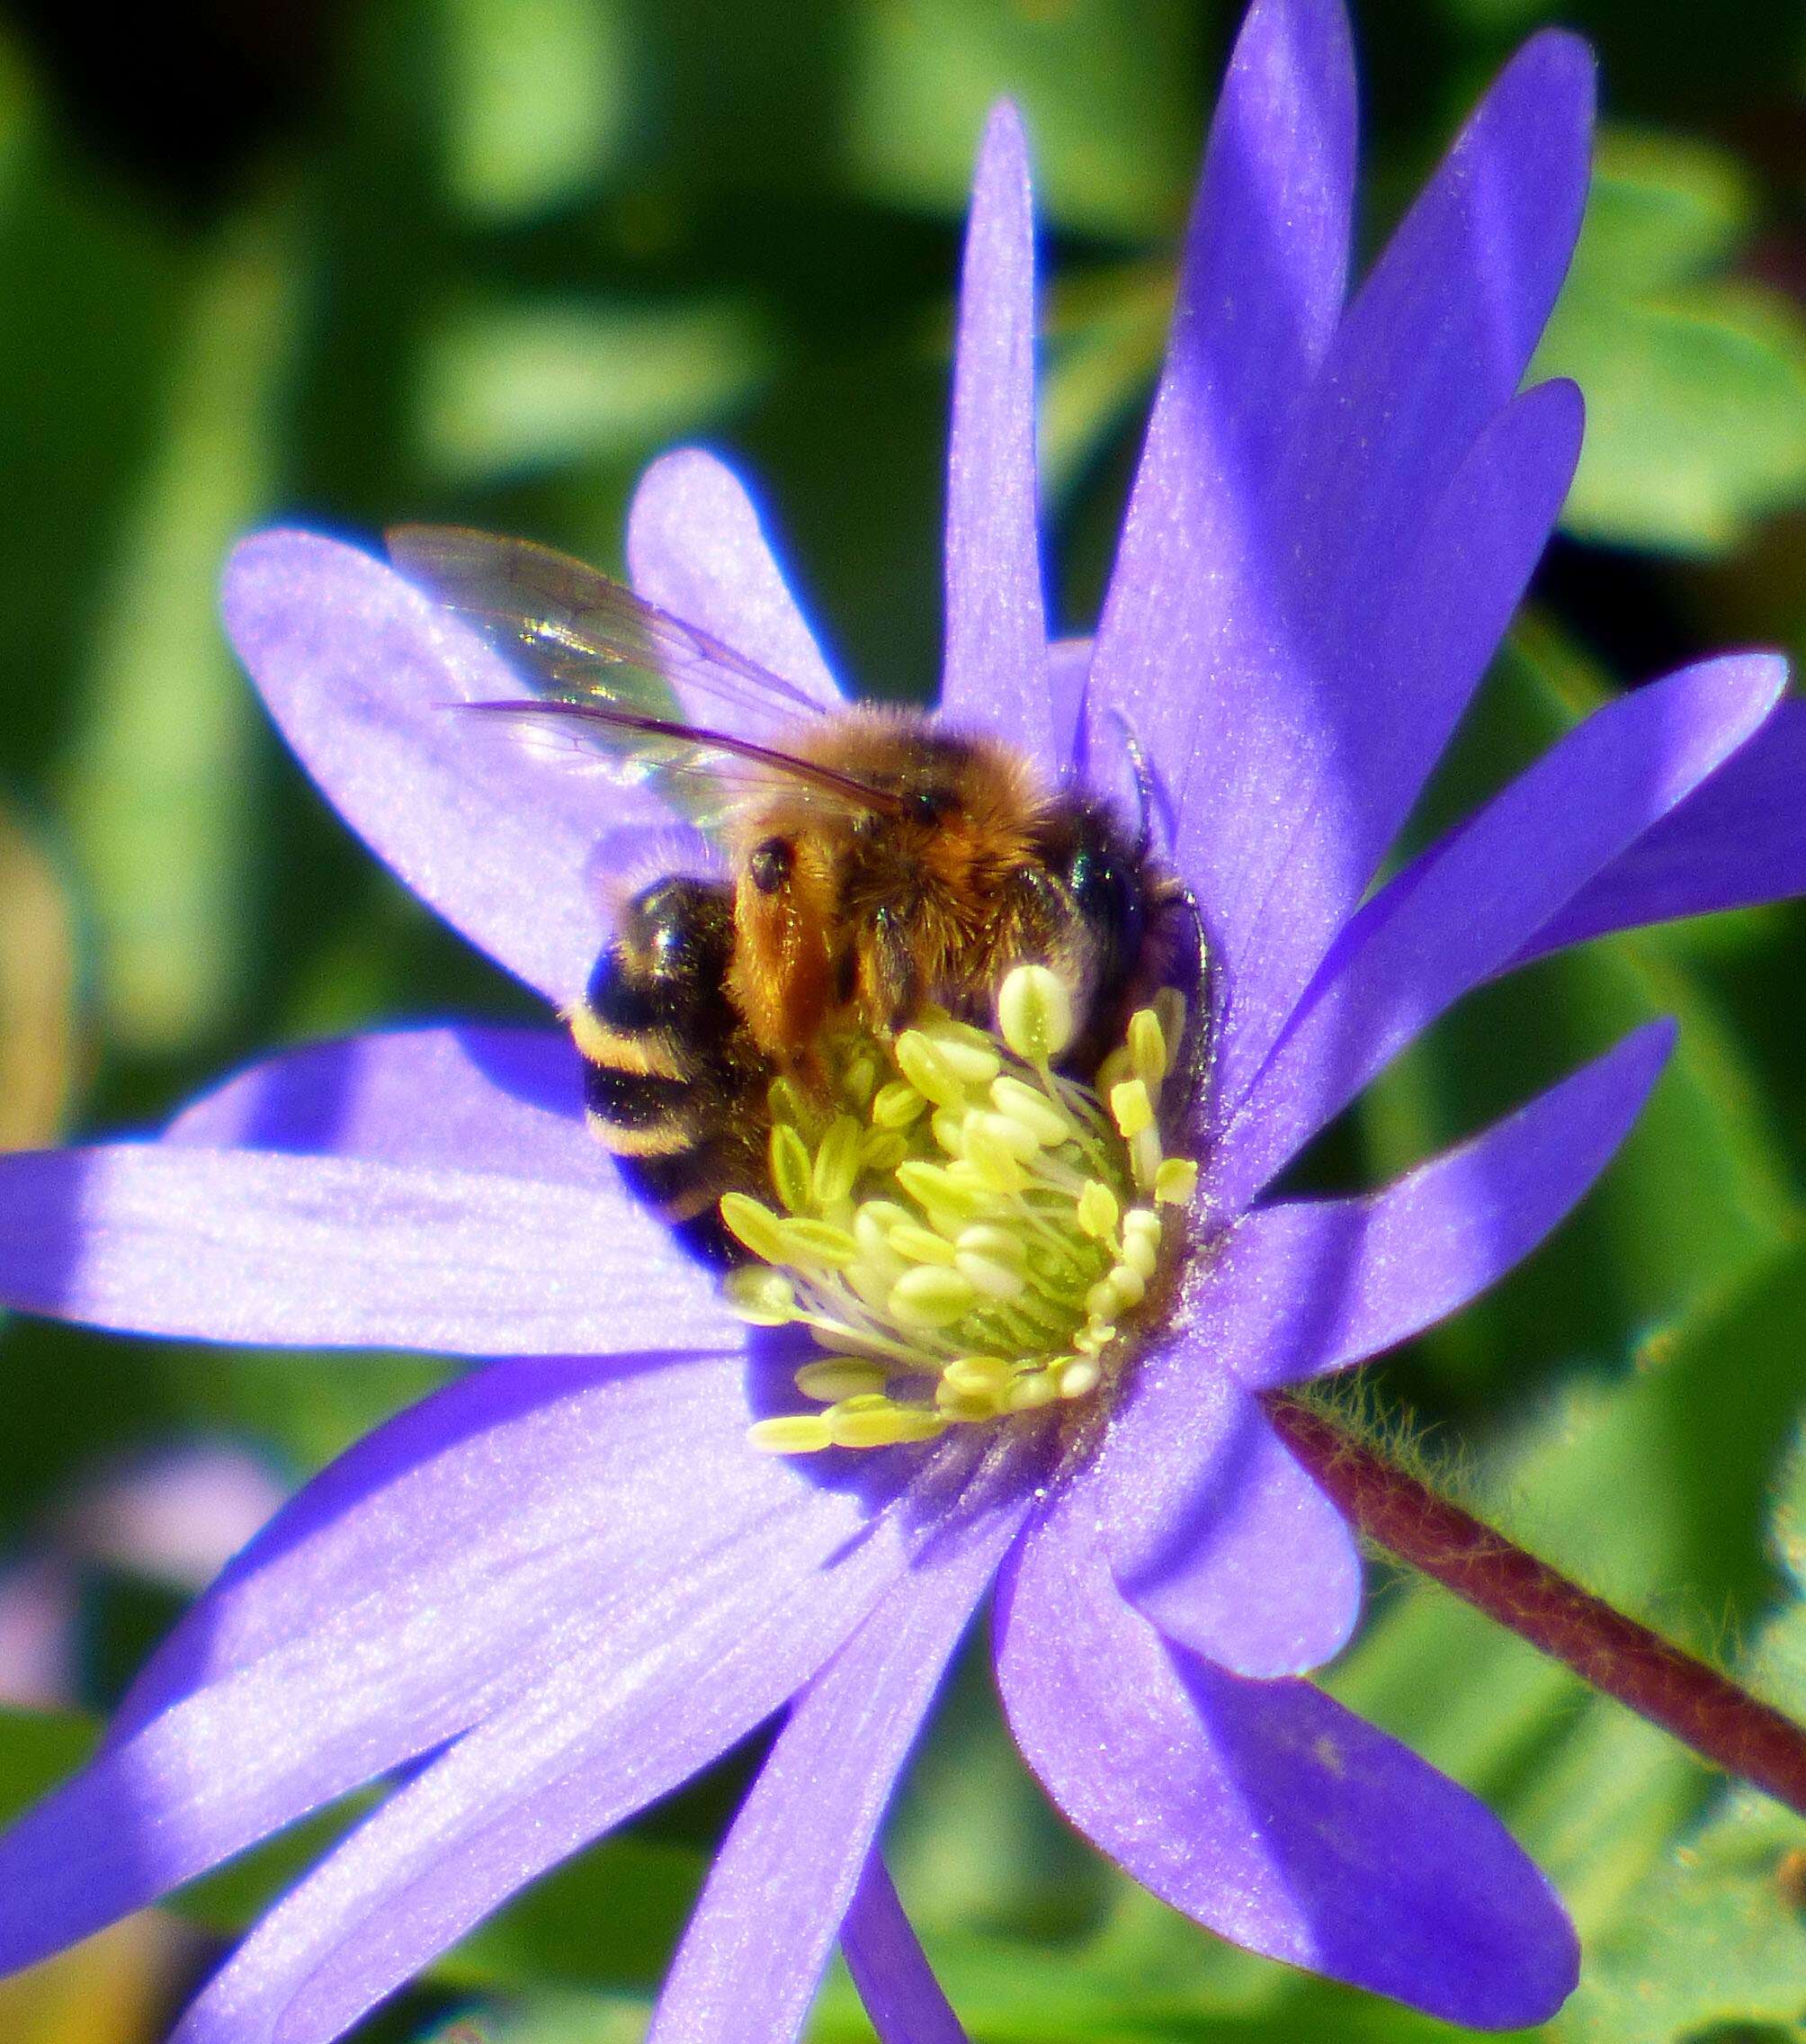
<point>354,261</point>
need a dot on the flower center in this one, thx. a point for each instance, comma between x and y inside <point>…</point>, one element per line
<point>966,1233</point>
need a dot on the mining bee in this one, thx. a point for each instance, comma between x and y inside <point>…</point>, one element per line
<point>873,864</point>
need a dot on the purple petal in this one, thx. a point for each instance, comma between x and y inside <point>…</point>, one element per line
<point>696,548</point>
<point>1461,912</point>
<point>996,666</point>
<point>241,1245</point>
<point>1739,840</point>
<point>507,1101</point>
<point>1313,1286</point>
<point>1260,286</point>
<point>640,1700</point>
<point>1241,1556</point>
<point>507,1529</point>
<point>1266,1811</point>
<point>786,1873</point>
<point>362,674</point>
<point>889,1966</point>
<point>1315,599</point>
<point>1068,668</point>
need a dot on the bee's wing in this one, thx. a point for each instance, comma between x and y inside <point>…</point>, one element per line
<point>574,634</point>
<point>679,756</point>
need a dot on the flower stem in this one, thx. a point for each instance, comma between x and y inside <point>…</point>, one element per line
<point>1705,1710</point>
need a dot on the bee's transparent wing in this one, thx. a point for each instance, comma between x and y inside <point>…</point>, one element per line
<point>573,633</point>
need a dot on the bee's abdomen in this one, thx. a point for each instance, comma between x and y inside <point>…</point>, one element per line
<point>665,1070</point>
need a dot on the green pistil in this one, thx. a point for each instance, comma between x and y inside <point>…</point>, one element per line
<point>964,1231</point>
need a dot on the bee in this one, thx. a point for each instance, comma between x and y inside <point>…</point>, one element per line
<point>873,864</point>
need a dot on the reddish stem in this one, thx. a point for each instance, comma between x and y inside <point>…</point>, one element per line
<point>1700,1707</point>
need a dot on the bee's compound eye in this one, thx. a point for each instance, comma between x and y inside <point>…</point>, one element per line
<point>770,865</point>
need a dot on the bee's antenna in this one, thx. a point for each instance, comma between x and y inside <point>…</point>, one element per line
<point>1144,783</point>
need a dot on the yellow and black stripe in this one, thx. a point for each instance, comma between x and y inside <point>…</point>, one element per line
<point>666,1066</point>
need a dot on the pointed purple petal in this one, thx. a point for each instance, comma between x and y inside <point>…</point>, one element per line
<point>507,1101</point>
<point>363,675</point>
<point>995,671</point>
<point>794,1854</point>
<point>1260,286</point>
<point>1296,662</point>
<point>1739,840</point>
<point>635,1705</point>
<point>695,547</point>
<point>889,1966</point>
<point>1313,1286</point>
<point>1265,1810</point>
<point>241,1245</point>
<point>1462,911</point>
<point>468,1551</point>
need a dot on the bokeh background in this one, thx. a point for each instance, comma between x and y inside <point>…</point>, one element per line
<point>356,260</point>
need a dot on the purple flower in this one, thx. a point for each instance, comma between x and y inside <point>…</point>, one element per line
<point>557,1588</point>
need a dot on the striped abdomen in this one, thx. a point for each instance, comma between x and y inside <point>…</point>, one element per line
<point>671,1082</point>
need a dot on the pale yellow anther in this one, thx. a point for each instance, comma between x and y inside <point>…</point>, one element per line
<point>1129,1285</point>
<point>1176,1181</point>
<point>1100,1301</point>
<point>1009,1134</point>
<point>1130,1109</point>
<point>859,1081</point>
<point>880,1425</point>
<point>1113,1071</point>
<point>792,1433</point>
<point>897,1105</point>
<point>1032,1110</point>
<point>1034,1014</point>
<point>841,1377</point>
<point>754,1224</point>
<point>837,1161</point>
<point>1140,1254</point>
<point>929,1070</point>
<point>1147,1047</point>
<point>1078,1378</point>
<point>1028,1392</point>
<point>1144,1157</point>
<point>949,1126</point>
<point>998,1170</point>
<point>1096,1210</point>
<point>792,1168</point>
<point>819,1242</point>
<point>967,1055</point>
<point>1001,1245</point>
<point>881,1151</point>
<point>760,1296</point>
<point>964,1406</point>
<point>917,1244</point>
<point>931,1296</point>
<point>977,1376</point>
<point>991,1277</point>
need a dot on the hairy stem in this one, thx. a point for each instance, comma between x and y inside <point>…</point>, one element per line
<point>1703,1708</point>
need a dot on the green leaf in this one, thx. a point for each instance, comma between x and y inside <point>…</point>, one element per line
<point>509,388</point>
<point>1106,88</point>
<point>535,105</point>
<point>37,993</point>
<point>1695,382</point>
<point>158,788</point>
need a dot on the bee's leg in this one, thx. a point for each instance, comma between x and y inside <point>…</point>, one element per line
<point>893,989</point>
<point>1180,956</point>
